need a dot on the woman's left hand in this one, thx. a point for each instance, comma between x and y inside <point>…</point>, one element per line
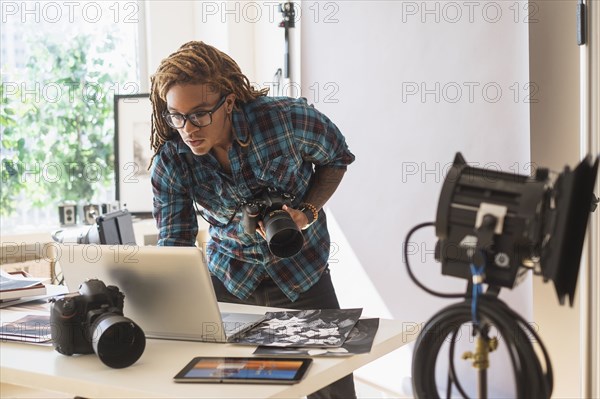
<point>297,216</point>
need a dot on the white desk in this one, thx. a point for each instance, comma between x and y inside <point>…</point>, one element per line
<point>152,374</point>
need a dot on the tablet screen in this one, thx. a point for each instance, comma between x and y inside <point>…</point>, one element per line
<point>244,370</point>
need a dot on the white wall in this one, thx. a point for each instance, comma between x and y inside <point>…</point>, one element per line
<point>246,30</point>
<point>169,24</point>
<point>400,76</point>
<point>554,66</point>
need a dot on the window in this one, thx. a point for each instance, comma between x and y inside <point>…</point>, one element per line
<point>62,64</point>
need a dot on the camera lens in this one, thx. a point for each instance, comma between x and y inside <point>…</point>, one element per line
<point>283,235</point>
<point>118,341</point>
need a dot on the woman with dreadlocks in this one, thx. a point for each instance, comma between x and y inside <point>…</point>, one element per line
<point>222,144</point>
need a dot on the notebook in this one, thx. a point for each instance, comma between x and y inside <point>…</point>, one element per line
<point>168,290</point>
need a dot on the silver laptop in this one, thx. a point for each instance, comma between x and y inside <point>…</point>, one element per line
<point>168,290</point>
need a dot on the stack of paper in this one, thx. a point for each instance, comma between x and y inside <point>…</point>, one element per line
<point>18,285</point>
<point>319,332</point>
<point>360,340</point>
<point>30,324</point>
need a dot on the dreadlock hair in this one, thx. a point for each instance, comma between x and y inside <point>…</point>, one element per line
<point>195,63</point>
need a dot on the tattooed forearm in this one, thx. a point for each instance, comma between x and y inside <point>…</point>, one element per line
<point>323,184</point>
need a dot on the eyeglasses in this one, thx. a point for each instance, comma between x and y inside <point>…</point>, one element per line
<point>199,119</point>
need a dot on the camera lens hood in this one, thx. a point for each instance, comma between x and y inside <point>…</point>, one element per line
<point>283,235</point>
<point>117,340</point>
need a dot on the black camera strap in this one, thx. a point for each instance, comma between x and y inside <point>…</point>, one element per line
<point>190,163</point>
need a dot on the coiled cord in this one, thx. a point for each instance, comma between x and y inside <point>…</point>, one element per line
<point>517,335</point>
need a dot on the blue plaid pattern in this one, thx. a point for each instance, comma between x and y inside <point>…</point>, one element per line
<point>288,138</point>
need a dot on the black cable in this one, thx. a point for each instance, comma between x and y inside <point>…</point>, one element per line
<point>410,273</point>
<point>189,159</point>
<point>199,212</point>
<point>531,380</point>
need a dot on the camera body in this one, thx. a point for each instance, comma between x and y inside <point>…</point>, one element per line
<point>73,316</point>
<point>93,321</point>
<point>90,213</point>
<point>67,214</point>
<point>283,235</point>
<point>261,206</point>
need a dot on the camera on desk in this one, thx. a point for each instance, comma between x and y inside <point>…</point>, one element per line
<point>92,211</point>
<point>108,207</point>
<point>93,321</point>
<point>67,214</point>
<point>71,214</point>
<point>113,228</point>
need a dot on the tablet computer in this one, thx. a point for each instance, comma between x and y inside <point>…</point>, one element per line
<point>259,370</point>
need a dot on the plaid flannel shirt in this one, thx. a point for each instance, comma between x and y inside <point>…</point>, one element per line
<point>288,138</point>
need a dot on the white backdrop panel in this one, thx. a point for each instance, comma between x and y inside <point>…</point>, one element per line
<point>409,84</point>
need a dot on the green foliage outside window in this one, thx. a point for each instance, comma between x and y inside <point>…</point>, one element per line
<point>57,122</point>
<point>13,152</point>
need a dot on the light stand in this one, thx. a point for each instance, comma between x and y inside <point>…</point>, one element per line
<point>485,232</point>
<point>484,345</point>
<point>286,74</point>
<point>493,228</point>
<point>486,226</point>
<point>289,22</point>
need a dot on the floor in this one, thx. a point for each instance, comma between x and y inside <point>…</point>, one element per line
<point>366,390</point>
<point>9,391</point>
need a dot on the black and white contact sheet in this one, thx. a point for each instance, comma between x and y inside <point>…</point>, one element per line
<point>360,340</point>
<point>321,328</point>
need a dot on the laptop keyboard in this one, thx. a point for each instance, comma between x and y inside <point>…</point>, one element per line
<point>236,322</point>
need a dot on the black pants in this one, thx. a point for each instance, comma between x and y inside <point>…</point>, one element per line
<point>320,296</point>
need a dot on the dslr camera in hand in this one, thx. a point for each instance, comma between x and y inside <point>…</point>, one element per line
<point>283,235</point>
<point>93,321</point>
